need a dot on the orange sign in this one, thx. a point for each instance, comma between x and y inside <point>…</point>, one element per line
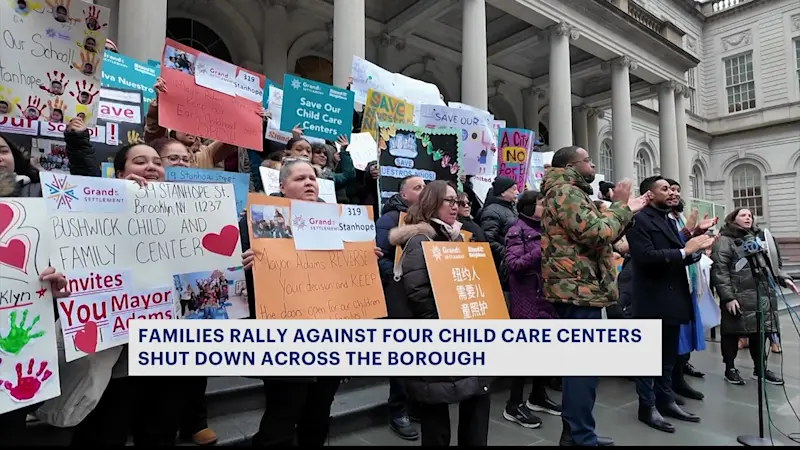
<point>292,284</point>
<point>194,109</point>
<point>464,280</point>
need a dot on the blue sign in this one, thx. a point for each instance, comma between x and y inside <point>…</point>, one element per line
<point>240,181</point>
<point>323,111</point>
<point>124,72</point>
<point>107,170</point>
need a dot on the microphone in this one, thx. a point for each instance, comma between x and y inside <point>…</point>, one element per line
<point>753,250</point>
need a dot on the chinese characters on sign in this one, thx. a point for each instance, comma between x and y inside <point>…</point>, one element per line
<point>471,296</point>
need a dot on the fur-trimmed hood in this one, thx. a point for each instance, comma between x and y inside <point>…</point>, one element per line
<point>11,184</point>
<point>402,234</point>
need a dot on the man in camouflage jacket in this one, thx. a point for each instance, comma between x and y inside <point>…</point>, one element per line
<point>578,268</point>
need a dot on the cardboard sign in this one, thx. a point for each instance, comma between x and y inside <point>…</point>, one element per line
<point>292,284</point>
<point>513,161</point>
<point>464,280</point>
<point>52,59</point>
<point>322,110</point>
<point>196,109</point>
<point>28,353</point>
<point>121,247</point>
<point>385,108</point>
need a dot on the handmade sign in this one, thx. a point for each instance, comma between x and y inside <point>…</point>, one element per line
<point>475,129</point>
<point>209,98</point>
<point>384,108</point>
<point>335,284</point>
<point>432,154</point>
<point>17,125</point>
<point>271,182</point>
<point>367,75</point>
<point>464,280</point>
<point>121,246</point>
<point>322,110</point>
<point>52,59</point>
<point>536,172</point>
<point>363,149</point>
<point>124,72</point>
<point>515,147</point>
<point>240,181</point>
<point>28,353</point>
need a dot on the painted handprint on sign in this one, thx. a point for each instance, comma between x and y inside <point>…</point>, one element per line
<point>55,83</point>
<point>18,335</point>
<point>93,18</point>
<point>34,108</point>
<point>134,138</point>
<point>447,163</point>
<point>85,92</point>
<point>56,110</point>
<point>7,101</point>
<point>88,64</point>
<point>60,10</point>
<point>28,384</point>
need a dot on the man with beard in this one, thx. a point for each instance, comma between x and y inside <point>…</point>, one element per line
<point>659,255</point>
<point>576,240</point>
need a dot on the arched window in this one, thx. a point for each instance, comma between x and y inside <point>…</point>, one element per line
<point>197,36</point>
<point>643,167</point>
<point>698,184</point>
<point>746,184</point>
<point>606,164</point>
<point>314,68</point>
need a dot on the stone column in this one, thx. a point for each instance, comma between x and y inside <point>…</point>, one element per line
<point>348,38</point>
<point>621,127</point>
<point>142,29</point>
<point>684,161</point>
<point>580,126</point>
<point>531,104</point>
<point>593,117</point>
<point>667,131</point>
<point>474,82</point>
<point>560,86</point>
<point>275,48</point>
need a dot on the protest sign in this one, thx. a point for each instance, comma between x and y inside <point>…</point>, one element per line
<point>17,125</point>
<point>363,149</point>
<point>333,284</point>
<point>322,110</point>
<point>464,280</point>
<point>56,55</point>
<point>28,353</point>
<point>121,246</point>
<point>465,235</point>
<point>212,113</point>
<point>431,154</point>
<point>240,181</point>
<point>384,108</point>
<point>513,161</point>
<point>536,172</point>
<point>271,182</point>
<point>367,75</point>
<point>475,129</point>
<point>107,170</point>
<point>124,72</point>
<point>274,107</point>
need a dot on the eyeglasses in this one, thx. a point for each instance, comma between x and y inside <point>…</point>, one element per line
<point>464,204</point>
<point>450,201</point>
<point>176,158</point>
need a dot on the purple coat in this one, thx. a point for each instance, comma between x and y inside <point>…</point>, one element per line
<point>524,263</point>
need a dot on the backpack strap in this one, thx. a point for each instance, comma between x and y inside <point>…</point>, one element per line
<point>398,268</point>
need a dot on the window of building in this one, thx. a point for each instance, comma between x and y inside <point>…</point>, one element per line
<point>797,58</point>
<point>746,184</point>
<point>606,164</point>
<point>698,184</point>
<point>691,82</point>
<point>643,168</point>
<point>197,36</point>
<point>314,68</point>
<point>739,83</point>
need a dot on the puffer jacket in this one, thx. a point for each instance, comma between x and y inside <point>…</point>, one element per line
<point>731,284</point>
<point>13,185</point>
<point>524,263</point>
<point>417,286</point>
<point>389,219</point>
<point>495,219</point>
<point>577,256</point>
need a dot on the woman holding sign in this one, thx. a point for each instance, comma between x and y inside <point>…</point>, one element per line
<point>433,218</point>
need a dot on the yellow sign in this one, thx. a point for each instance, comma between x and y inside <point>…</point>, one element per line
<point>381,107</point>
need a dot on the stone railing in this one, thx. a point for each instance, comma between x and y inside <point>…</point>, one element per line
<point>663,27</point>
<point>645,17</point>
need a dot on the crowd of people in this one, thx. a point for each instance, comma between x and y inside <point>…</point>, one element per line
<point>554,252</point>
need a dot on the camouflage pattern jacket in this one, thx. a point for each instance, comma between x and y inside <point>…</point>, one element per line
<point>577,256</point>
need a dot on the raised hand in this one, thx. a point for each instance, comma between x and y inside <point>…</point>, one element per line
<point>691,221</point>
<point>28,385</point>
<point>18,336</point>
<point>622,192</point>
<point>297,131</point>
<point>698,243</point>
<point>160,86</point>
<point>706,223</point>
<point>342,141</point>
<point>76,124</point>
<point>636,204</point>
<point>58,283</point>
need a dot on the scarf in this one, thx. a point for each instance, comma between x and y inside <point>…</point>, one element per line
<point>453,231</point>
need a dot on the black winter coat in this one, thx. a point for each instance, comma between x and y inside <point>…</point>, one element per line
<point>470,225</point>
<point>417,287</point>
<point>495,219</point>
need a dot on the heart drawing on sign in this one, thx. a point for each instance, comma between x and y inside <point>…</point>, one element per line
<point>86,339</point>
<point>223,243</point>
<point>14,253</point>
<point>6,218</point>
<point>15,243</point>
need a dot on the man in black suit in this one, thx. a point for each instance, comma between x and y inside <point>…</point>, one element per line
<point>661,291</point>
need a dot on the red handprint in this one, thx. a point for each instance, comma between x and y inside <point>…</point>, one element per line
<point>84,92</point>
<point>27,386</point>
<point>93,19</point>
<point>34,108</point>
<point>55,83</point>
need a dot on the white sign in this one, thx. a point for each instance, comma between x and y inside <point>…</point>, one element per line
<point>315,226</point>
<point>363,149</point>
<point>356,225</point>
<point>215,74</point>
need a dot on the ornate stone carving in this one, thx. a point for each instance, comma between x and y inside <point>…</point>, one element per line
<point>671,85</point>
<point>565,29</point>
<point>741,39</point>
<point>594,112</point>
<point>691,43</point>
<point>534,92</point>
<point>385,40</point>
<point>625,61</point>
<point>796,22</point>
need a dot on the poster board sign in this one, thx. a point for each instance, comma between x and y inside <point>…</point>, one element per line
<point>513,160</point>
<point>705,207</point>
<point>536,171</point>
<point>381,107</point>
<point>56,56</point>
<point>464,280</point>
<point>431,154</point>
<point>240,181</point>
<point>124,72</point>
<point>367,75</point>
<point>121,246</point>
<point>363,149</point>
<point>275,107</point>
<point>28,352</point>
<point>270,179</point>
<point>474,127</point>
<point>331,284</point>
<point>210,98</point>
<point>323,111</point>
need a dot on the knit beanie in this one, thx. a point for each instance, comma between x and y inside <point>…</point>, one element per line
<point>502,184</point>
